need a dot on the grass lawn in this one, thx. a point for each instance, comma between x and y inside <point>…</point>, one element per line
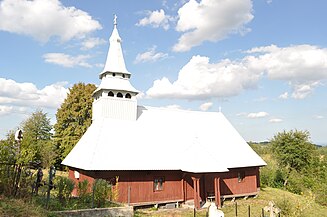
<point>20,208</point>
<point>292,205</point>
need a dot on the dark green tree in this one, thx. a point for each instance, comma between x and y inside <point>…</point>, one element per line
<point>36,145</point>
<point>73,118</point>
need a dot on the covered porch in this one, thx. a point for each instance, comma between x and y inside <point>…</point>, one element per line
<point>215,187</point>
<point>202,188</point>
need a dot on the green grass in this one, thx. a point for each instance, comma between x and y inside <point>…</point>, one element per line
<point>292,205</point>
<point>20,208</point>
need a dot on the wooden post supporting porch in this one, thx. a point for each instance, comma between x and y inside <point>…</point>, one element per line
<point>217,191</point>
<point>196,186</point>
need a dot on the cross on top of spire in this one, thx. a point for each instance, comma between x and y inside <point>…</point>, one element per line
<point>115,19</point>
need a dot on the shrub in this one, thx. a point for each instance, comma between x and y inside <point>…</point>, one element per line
<point>82,188</point>
<point>295,183</point>
<point>64,187</point>
<point>286,206</point>
<point>101,189</point>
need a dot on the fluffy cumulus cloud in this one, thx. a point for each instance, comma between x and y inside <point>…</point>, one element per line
<point>283,95</point>
<point>43,19</point>
<point>258,115</point>
<point>211,20</point>
<point>303,67</point>
<point>13,93</point>
<point>206,106</point>
<point>90,43</point>
<point>156,19</point>
<point>5,110</point>
<point>150,56</point>
<point>199,79</point>
<point>66,60</point>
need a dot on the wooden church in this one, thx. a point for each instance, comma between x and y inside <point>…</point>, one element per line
<point>160,155</point>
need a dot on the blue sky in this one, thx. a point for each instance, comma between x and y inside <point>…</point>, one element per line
<point>264,62</point>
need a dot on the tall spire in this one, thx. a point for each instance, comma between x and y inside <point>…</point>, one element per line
<point>115,20</point>
<point>115,59</point>
<point>115,97</point>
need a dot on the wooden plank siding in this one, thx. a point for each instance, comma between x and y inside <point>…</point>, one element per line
<point>232,186</point>
<point>137,187</point>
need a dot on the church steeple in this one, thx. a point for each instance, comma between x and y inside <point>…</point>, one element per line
<point>115,97</point>
<point>115,59</point>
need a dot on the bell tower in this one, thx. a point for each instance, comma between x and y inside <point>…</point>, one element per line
<point>115,97</point>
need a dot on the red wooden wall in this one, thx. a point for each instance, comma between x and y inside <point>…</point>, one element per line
<point>137,186</point>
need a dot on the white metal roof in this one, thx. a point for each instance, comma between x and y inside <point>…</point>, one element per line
<point>115,59</point>
<point>163,139</point>
<point>114,83</point>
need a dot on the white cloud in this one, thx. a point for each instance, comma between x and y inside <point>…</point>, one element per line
<point>99,65</point>
<point>257,115</point>
<point>140,95</point>
<point>318,117</point>
<point>150,56</point>
<point>211,20</point>
<point>28,95</point>
<point>156,19</point>
<point>206,106</point>
<point>241,114</point>
<point>283,96</point>
<point>199,79</point>
<point>275,120</point>
<point>301,91</point>
<point>90,43</point>
<point>43,19</point>
<point>5,110</point>
<point>66,60</point>
<point>303,67</point>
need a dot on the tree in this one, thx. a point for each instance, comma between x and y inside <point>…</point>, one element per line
<point>36,145</point>
<point>17,157</point>
<point>73,118</point>
<point>293,149</point>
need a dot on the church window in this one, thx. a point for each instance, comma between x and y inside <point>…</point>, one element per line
<point>113,74</point>
<point>123,75</point>
<point>120,95</point>
<point>241,176</point>
<point>128,96</point>
<point>111,94</point>
<point>158,184</point>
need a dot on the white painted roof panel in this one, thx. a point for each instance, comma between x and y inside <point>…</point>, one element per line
<point>163,139</point>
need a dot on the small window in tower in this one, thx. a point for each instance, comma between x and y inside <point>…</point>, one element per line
<point>111,94</point>
<point>113,74</point>
<point>128,96</point>
<point>120,95</point>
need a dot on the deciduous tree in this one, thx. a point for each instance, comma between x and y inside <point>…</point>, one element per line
<point>293,149</point>
<point>36,139</point>
<point>73,118</point>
